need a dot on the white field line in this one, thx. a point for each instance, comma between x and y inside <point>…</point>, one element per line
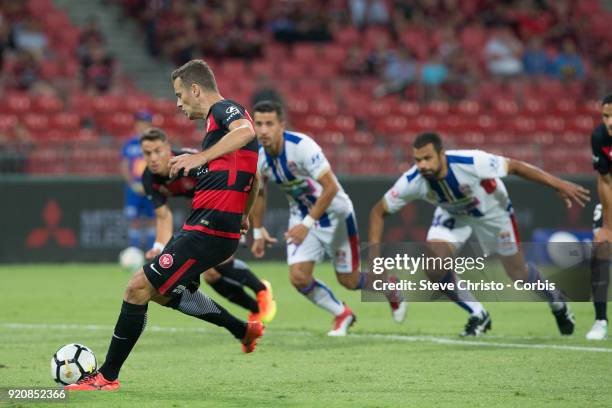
<point>390,337</point>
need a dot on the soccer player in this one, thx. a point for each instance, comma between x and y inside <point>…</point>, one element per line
<point>228,278</point>
<point>601,143</point>
<point>138,210</point>
<point>225,191</point>
<point>469,195</point>
<point>321,215</point>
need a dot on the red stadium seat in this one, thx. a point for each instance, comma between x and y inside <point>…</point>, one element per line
<point>468,108</point>
<point>47,104</point>
<point>308,54</point>
<point>17,103</point>
<point>292,69</point>
<point>66,121</point>
<point>164,106</point>
<point>36,123</point>
<point>342,123</point>
<point>8,122</point>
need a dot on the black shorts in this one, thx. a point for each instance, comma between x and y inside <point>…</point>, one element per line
<point>187,255</point>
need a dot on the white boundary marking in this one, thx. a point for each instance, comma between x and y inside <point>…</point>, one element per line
<point>392,337</point>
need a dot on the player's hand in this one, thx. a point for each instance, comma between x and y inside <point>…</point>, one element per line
<point>573,192</point>
<point>138,188</point>
<point>297,234</point>
<point>604,234</point>
<point>186,162</point>
<point>152,253</point>
<point>258,249</point>
<point>244,225</point>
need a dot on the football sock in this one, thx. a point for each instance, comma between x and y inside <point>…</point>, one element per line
<point>239,271</point>
<point>134,237</point>
<point>462,297</point>
<point>202,307</point>
<point>131,323</point>
<point>233,292</point>
<point>600,280</point>
<point>151,233</point>
<point>322,296</point>
<point>554,297</point>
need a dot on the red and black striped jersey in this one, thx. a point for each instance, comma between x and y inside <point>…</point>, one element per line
<point>158,188</point>
<point>224,183</point>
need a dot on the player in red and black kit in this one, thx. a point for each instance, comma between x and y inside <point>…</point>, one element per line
<point>226,188</point>
<point>601,143</point>
<point>228,278</point>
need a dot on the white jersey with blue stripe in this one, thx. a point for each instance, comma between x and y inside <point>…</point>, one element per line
<point>296,170</point>
<point>472,186</point>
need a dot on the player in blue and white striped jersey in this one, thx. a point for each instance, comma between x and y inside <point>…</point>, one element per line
<point>469,195</point>
<point>321,218</point>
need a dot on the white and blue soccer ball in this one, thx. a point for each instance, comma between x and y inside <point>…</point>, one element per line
<point>565,250</point>
<point>71,363</point>
<point>131,258</point>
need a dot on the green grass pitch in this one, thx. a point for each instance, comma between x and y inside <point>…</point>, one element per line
<point>183,362</point>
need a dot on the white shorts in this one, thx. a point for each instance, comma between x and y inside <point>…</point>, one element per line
<point>339,240</point>
<point>497,234</point>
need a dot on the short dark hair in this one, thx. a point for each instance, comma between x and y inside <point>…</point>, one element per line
<point>607,99</point>
<point>424,139</point>
<point>196,72</point>
<point>153,134</point>
<point>270,106</point>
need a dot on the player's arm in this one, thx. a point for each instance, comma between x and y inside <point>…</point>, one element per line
<point>376,225</point>
<point>253,192</point>
<point>240,134</point>
<point>261,237</point>
<point>569,191</point>
<point>124,169</point>
<point>604,190</point>
<point>330,188</point>
<point>163,230</point>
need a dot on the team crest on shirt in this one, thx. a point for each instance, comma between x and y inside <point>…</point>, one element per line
<point>465,189</point>
<point>166,261</point>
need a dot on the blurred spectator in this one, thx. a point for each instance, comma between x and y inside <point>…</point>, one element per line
<point>369,12</point>
<point>97,70</point>
<point>399,72</point>
<point>294,21</point>
<point>29,37</point>
<point>25,71</point>
<point>246,39</point>
<point>355,64</point>
<point>378,57</point>
<point>185,44</point>
<point>568,64</point>
<point>265,91</point>
<point>535,58</point>
<point>503,53</point>
<point>434,74</point>
<point>91,32</point>
<point>7,41</point>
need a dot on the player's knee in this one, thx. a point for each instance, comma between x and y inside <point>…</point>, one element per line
<point>349,281</point>
<point>299,279</point>
<point>139,290</point>
<point>211,276</point>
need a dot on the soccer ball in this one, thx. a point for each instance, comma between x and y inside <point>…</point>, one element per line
<point>131,258</point>
<point>71,363</point>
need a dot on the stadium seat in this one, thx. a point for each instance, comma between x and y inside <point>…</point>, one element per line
<point>66,121</point>
<point>47,104</point>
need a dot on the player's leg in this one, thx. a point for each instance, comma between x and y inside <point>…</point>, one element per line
<point>147,213</point>
<point>301,277</point>
<point>130,324</point>
<point>130,212</point>
<point>600,280</point>
<point>446,236</point>
<point>238,271</point>
<point>231,290</point>
<point>181,263</point>
<point>342,246</point>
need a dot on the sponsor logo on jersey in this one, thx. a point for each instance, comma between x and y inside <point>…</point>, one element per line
<point>166,261</point>
<point>178,290</point>
<point>232,111</point>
